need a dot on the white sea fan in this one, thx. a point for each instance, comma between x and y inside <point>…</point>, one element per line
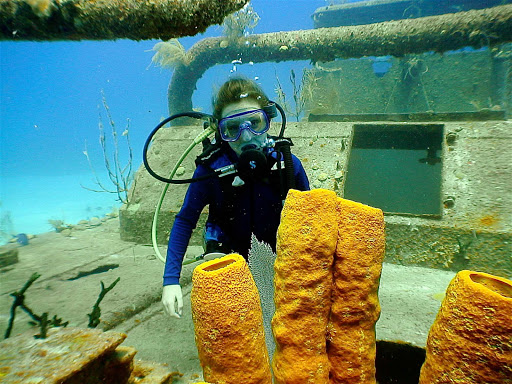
<point>261,265</point>
<point>169,54</point>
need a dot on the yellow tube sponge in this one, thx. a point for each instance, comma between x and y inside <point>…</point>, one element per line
<point>355,304</point>
<point>228,323</point>
<point>306,240</point>
<point>470,341</point>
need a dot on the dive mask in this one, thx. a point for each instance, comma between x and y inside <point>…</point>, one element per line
<point>231,127</point>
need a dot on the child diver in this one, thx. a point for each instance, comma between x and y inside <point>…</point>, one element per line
<point>239,205</point>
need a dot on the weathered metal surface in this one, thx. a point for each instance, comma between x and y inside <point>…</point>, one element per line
<point>468,85</point>
<point>483,115</point>
<point>473,230</point>
<point>110,19</point>
<point>376,11</point>
<point>65,353</point>
<point>476,28</point>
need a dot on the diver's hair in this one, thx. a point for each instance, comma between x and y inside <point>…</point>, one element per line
<point>236,89</point>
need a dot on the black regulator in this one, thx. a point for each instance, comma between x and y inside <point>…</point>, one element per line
<point>252,163</point>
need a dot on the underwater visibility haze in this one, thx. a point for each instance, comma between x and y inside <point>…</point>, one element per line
<point>51,99</point>
<point>404,132</point>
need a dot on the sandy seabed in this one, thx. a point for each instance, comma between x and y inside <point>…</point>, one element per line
<point>410,296</point>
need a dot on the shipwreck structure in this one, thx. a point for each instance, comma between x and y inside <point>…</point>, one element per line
<point>419,125</point>
<point>108,20</point>
<point>411,116</point>
<point>428,139</point>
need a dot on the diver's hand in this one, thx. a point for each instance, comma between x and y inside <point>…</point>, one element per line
<point>172,294</point>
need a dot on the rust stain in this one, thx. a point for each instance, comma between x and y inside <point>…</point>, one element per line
<point>489,220</point>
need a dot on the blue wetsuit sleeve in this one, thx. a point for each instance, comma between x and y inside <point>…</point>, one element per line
<point>184,223</point>
<point>301,179</point>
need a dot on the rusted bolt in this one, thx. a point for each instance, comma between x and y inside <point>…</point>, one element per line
<point>450,138</point>
<point>449,202</point>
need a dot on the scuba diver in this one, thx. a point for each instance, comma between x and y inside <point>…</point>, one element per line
<point>242,203</point>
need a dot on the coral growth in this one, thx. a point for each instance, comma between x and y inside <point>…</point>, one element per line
<point>58,225</point>
<point>169,54</point>
<point>240,23</point>
<point>489,220</point>
<point>110,19</point>
<point>228,322</point>
<point>261,264</point>
<point>327,271</point>
<point>121,176</point>
<point>306,242</point>
<point>42,8</point>
<point>302,92</point>
<point>355,304</point>
<point>326,279</point>
<point>470,340</point>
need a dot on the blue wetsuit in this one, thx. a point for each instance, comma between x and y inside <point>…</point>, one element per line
<point>254,207</point>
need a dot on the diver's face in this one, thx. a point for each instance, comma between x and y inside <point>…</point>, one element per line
<point>247,139</point>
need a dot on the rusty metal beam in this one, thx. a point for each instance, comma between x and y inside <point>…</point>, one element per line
<point>110,19</point>
<point>476,28</point>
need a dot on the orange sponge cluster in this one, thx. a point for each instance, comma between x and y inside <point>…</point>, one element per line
<point>355,304</point>
<point>228,323</point>
<point>306,241</point>
<point>327,271</point>
<point>471,339</point>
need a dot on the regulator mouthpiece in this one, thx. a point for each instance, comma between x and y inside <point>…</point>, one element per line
<point>252,164</point>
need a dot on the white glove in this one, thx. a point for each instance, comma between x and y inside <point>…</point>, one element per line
<point>213,255</point>
<point>171,295</point>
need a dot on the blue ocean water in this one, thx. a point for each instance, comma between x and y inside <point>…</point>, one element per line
<point>50,102</point>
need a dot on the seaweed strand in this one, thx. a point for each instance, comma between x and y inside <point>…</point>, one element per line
<point>94,316</point>
<point>19,301</point>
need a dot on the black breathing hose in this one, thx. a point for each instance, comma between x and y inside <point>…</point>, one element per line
<point>285,149</point>
<point>195,115</point>
<point>288,167</point>
<point>283,118</point>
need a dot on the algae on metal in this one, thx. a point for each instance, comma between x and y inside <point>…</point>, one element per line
<point>302,92</point>
<point>241,23</point>
<point>109,20</point>
<point>476,28</point>
<point>169,54</point>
